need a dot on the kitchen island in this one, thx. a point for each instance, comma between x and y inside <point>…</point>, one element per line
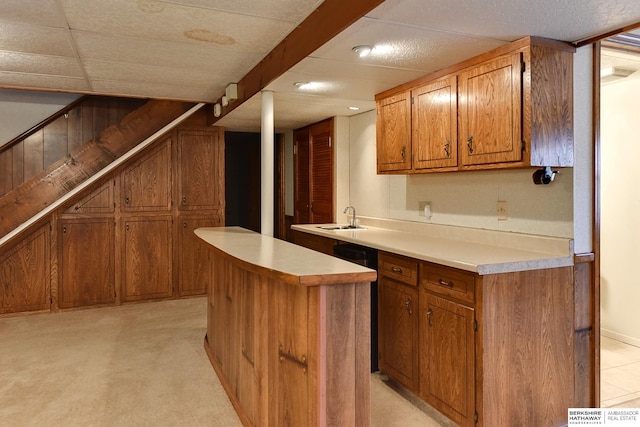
<point>288,330</point>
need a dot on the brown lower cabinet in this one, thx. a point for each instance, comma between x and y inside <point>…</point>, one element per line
<point>24,274</point>
<point>86,262</point>
<point>398,325</point>
<point>147,263</point>
<point>193,256</point>
<point>492,350</point>
<point>446,348</point>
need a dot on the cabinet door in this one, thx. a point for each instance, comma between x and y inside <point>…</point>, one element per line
<point>447,364</point>
<point>491,111</point>
<point>24,274</point>
<point>147,258</point>
<point>200,169</point>
<point>193,255</point>
<point>393,133</point>
<point>146,184</point>
<point>86,259</point>
<point>398,331</point>
<point>434,119</point>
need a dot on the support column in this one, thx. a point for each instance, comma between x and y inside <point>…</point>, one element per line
<point>267,168</point>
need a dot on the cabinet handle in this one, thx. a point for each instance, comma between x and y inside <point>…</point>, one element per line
<point>127,227</point>
<point>396,270</point>
<point>64,230</point>
<point>429,313</point>
<point>408,305</point>
<point>184,200</point>
<point>470,143</point>
<point>447,146</point>
<point>403,153</point>
<point>445,283</point>
<point>126,201</point>
<point>184,225</point>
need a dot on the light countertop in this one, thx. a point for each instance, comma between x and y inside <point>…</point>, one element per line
<point>284,260</point>
<point>480,251</point>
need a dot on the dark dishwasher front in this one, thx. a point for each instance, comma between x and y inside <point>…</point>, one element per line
<point>369,258</point>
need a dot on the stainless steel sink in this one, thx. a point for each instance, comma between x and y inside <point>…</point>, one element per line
<point>341,227</point>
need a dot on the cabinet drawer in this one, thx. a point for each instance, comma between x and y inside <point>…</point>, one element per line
<point>448,281</point>
<point>399,268</point>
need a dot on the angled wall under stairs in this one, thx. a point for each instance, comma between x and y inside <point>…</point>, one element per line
<point>127,236</point>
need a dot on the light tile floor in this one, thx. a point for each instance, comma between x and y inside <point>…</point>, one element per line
<point>619,372</point>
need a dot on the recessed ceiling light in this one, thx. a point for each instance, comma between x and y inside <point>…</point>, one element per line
<point>354,108</point>
<point>362,50</point>
<point>311,86</point>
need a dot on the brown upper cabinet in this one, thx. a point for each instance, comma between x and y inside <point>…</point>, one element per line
<point>511,107</point>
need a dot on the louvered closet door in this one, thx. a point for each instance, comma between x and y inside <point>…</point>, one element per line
<point>301,173</point>
<point>321,172</point>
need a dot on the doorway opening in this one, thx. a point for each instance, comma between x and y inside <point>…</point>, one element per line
<point>619,224</point>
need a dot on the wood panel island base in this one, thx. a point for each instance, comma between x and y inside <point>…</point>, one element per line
<point>288,331</point>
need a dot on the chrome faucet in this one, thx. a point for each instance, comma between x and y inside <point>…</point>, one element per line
<point>352,221</point>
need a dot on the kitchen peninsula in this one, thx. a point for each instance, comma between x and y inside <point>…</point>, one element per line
<point>288,330</point>
<point>488,327</point>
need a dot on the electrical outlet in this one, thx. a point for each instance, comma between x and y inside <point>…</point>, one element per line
<point>502,210</point>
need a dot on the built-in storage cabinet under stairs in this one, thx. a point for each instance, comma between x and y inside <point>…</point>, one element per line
<point>25,274</point>
<point>129,237</point>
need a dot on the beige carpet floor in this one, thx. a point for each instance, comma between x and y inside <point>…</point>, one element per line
<point>134,365</point>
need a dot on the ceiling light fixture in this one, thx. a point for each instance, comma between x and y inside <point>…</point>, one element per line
<point>354,108</point>
<point>311,86</point>
<point>363,50</point>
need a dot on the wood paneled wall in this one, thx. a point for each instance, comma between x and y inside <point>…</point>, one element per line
<point>24,159</point>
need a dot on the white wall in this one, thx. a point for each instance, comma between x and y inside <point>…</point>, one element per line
<point>465,199</point>
<point>620,221</point>
<point>288,173</point>
<point>583,150</point>
<point>21,110</point>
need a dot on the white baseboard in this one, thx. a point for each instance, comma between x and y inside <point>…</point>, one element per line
<point>620,337</point>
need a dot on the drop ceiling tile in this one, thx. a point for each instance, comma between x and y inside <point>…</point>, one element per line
<point>36,12</point>
<point>508,20</point>
<point>160,91</point>
<point>172,22</point>
<point>35,39</point>
<point>410,47</point>
<point>317,69</point>
<point>285,10</point>
<point>92,47</point>
<point>350,88</point>
<point>39,64</point>
<point>43,82</point>
<point>134,73</point>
